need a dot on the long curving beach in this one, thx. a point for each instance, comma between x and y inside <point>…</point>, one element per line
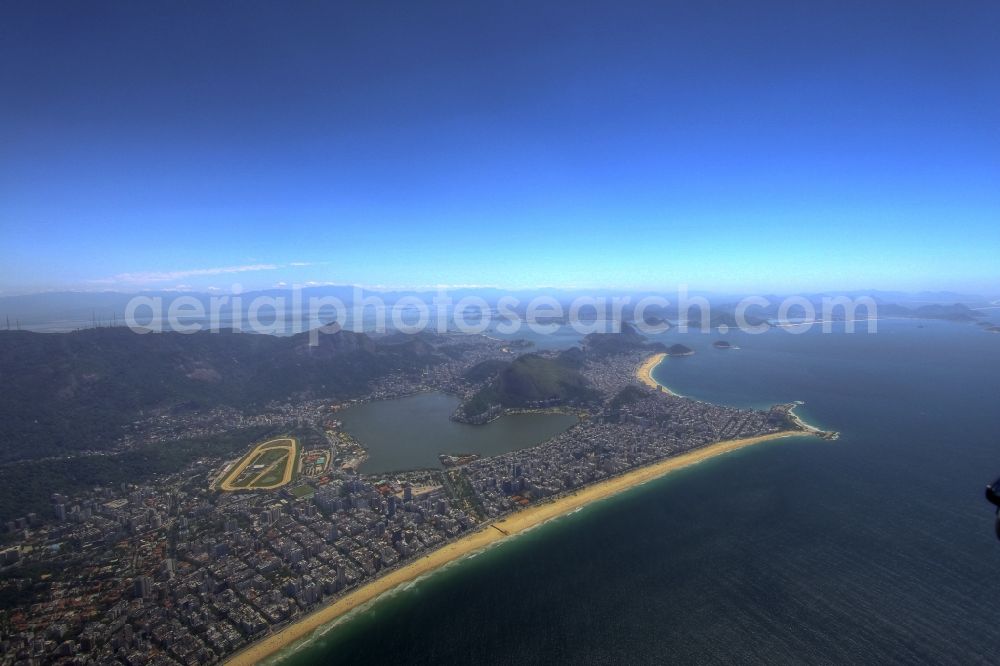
<point>485,536</point>
<point>645,373</point>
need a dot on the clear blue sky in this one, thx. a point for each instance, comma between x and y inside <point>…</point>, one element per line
<point>727,145</point>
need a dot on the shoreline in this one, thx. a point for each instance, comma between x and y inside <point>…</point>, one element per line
<point>486,535</point>
<point>808,428</point>
<point>644,373</point>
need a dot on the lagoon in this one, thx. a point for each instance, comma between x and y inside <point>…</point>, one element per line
<point>410,433</point>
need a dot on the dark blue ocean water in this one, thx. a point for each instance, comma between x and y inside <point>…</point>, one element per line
<point>877,548</point>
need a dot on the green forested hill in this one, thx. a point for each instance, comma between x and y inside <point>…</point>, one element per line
<point>74,391</point>
<point>530,379</point>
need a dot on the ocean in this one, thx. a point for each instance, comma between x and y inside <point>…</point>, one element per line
<point>876,548</point>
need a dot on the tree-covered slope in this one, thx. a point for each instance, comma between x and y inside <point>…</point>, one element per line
<point>67,392</point>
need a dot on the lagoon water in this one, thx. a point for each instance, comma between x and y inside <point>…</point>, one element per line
<point>410,432</point>
<point>877,548</point>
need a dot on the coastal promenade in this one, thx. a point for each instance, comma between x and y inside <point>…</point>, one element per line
<point>485,536</point>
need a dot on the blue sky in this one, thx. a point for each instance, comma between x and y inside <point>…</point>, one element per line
<point>725,145</point>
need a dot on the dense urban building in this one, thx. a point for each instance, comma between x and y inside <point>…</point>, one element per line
<point>174,571</point>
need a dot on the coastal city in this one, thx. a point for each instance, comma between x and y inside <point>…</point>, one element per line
<point>203,563</point>
<point>499,333</point>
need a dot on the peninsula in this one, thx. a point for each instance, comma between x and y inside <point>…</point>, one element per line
<point>679,350</point>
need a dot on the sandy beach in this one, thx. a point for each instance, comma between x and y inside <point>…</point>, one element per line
<point>645,373</point>
<point>483,537</point>
<point>810,428</point>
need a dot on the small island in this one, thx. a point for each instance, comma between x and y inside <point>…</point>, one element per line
<point>679,350</point>
<point>722,344</point>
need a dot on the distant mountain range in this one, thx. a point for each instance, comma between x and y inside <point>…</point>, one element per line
<point>75,391</point>
<point>953,312</point>
<point>64,311</point>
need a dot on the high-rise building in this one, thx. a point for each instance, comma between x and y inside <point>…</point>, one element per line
<point>142,587</point>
